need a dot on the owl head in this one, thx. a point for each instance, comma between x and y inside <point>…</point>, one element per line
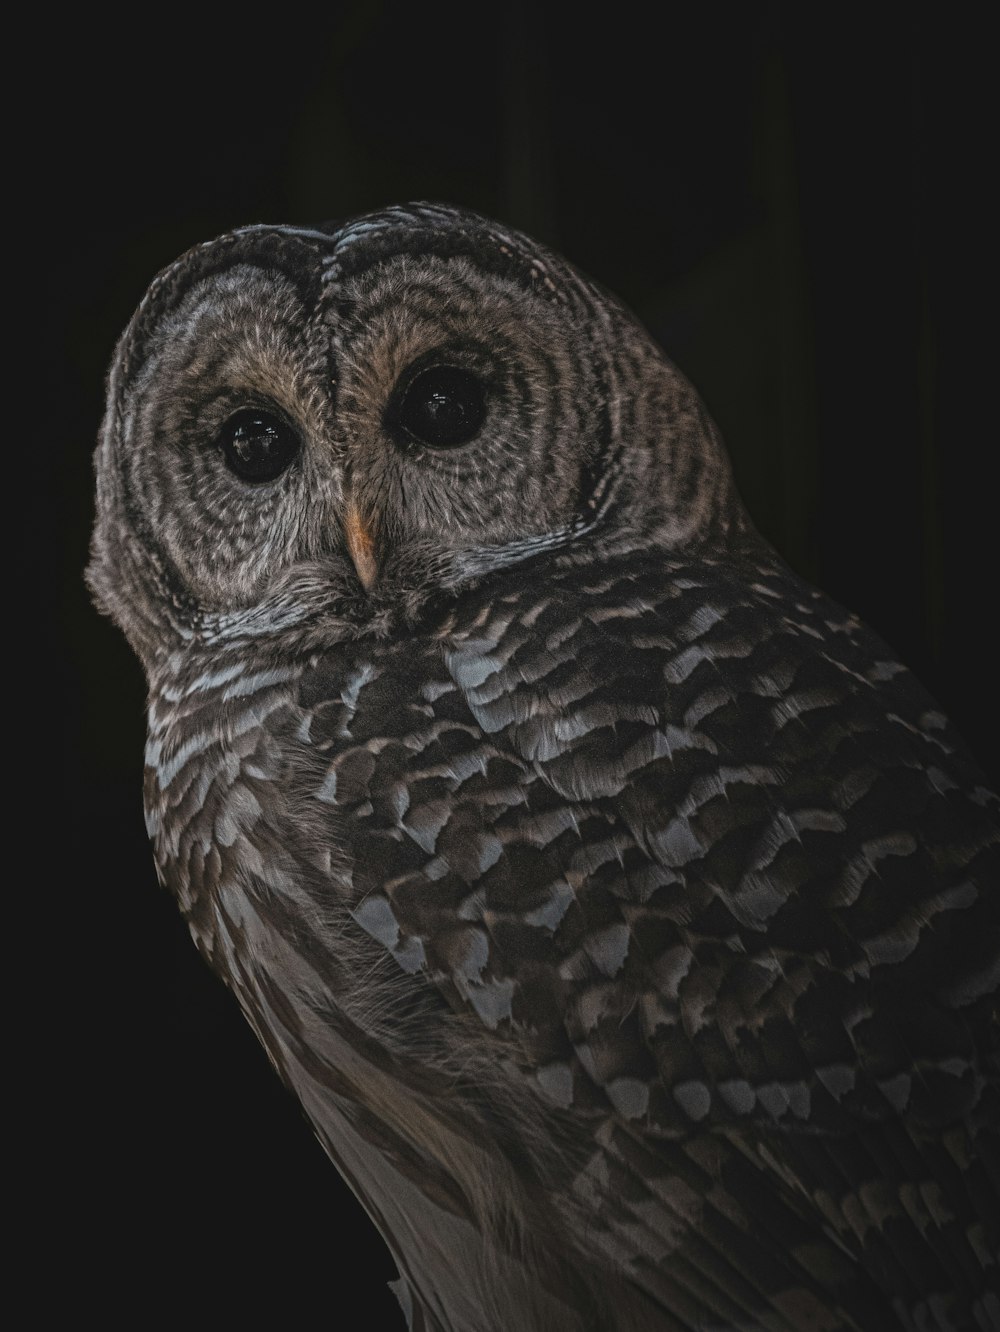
<point>319,419</point>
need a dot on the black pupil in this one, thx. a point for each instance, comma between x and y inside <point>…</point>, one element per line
<point>443,406</point>
<point>257,445</point>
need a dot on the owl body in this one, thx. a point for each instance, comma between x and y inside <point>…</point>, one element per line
<point>622,914</point>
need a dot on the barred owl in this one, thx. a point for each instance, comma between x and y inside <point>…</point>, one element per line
<point>624,917</point>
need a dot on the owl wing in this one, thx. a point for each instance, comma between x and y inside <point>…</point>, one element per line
<point>708,874</point>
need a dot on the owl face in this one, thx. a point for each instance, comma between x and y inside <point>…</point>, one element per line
<point>418,391</point>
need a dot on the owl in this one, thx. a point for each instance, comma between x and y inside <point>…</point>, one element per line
<point>624,917</point>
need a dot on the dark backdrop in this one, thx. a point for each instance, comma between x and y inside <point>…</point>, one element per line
<point>788,203</point>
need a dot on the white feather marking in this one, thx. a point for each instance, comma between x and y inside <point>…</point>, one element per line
<point>246,685</point>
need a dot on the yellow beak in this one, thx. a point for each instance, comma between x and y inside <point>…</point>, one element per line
<point>361,545</point>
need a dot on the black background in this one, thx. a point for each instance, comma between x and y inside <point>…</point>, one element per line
<point>788,199</point>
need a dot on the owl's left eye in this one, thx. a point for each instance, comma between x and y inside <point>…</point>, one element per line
<point>442,406</point>
<point>257,446</point>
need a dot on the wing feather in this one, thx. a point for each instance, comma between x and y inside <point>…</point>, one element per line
<point>691,899</point>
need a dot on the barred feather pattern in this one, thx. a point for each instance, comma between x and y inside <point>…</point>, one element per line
<point>623,915</point>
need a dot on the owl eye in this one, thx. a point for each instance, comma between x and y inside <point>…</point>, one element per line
<point>442,406</point>
<point>257,446</point>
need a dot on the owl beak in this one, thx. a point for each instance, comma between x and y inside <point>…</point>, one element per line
<point>361,545</point>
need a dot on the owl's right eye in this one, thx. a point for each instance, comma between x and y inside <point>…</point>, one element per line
<point>257,446</point>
